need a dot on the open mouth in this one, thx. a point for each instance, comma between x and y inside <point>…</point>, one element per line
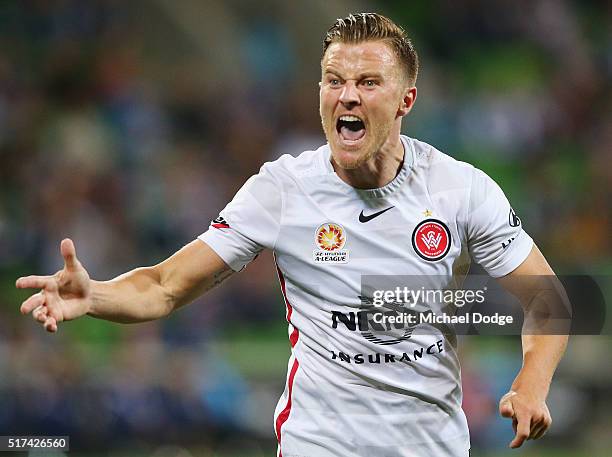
<point>350,128</point>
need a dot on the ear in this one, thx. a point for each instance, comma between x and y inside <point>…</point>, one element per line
<point>408,100</point>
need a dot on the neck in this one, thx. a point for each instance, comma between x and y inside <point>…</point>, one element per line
<point>379,170</point>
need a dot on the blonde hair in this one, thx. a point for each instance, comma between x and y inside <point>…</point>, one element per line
<point>357,28</point>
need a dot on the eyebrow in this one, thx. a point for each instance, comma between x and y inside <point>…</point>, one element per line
<point>366,75</point>
<point>372,74</point>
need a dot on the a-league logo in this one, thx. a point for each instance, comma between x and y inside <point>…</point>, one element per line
<point>330,239</point>
<point>431,240</point>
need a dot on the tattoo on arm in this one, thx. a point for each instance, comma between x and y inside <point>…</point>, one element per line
<point>218,278</point>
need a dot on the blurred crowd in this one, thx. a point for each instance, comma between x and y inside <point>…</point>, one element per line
<point>128,126</point>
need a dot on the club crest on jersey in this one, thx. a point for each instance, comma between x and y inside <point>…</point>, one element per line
<point>330,239</point>
<point>431,240</point>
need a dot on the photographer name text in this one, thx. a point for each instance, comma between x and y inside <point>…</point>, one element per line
<point>442,318</point>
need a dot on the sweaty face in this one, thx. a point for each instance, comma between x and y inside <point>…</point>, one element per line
<point>361,92</point>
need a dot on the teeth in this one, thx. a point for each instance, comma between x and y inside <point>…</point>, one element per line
<point>349,118</point>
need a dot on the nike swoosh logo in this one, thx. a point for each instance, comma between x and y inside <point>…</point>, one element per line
<point>363,218</point>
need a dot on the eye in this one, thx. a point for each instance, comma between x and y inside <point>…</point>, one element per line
<point>334,82</point>
<point>370,83</point>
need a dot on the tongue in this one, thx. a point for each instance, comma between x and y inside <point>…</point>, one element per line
<point>350,135</point>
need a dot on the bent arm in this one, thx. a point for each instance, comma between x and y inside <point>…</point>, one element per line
<point>149,293</point>
<point>539,291</point>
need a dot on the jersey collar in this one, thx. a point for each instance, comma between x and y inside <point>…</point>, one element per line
<point>379,192</point>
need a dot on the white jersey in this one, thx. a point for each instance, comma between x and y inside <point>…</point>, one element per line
<point>352,390</point>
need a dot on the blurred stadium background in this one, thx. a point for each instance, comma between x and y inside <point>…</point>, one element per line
<point>128,126</point>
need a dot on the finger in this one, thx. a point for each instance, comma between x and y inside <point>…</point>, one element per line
<point>40,314</point>
<point>33,302</point>
<point>35,282</point>
<point>535,430</point>
<point>50,325</point>
<point>506,409</point>
<point>53,307</point>
<point>69,254</point>
<point>536,423</point>
<point>540,430</point>
<point>523,429</point>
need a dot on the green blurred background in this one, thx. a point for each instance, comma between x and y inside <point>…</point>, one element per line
<point>128,125</point>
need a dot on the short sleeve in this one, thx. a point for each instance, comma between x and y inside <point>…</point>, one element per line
<point>495,236</point>
<point>249,223</point>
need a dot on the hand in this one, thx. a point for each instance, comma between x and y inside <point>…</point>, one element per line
<point>64,296</point>
<point>530,416</point>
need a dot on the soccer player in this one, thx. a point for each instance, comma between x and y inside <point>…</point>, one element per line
<point>369,202</point>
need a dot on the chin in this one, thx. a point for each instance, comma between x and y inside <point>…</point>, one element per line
<point>349,160</point>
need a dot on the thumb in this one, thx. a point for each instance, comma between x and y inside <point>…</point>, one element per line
<point>69,254</point>
<point>505,408</point>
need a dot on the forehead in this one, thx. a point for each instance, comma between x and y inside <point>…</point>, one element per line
<point>359,58</point>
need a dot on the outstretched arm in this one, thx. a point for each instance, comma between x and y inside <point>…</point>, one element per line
<point>140,295</point>
<point>525,403</point>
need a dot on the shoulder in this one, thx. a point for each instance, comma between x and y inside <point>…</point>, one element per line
<point>436,164</point>
<point>444,171</point>
<point>453,181</point>
<point>281,175</point>
<point>288,167</point>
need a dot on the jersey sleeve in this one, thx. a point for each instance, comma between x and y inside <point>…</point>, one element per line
<point>495,236</point>
<point>249,223</point>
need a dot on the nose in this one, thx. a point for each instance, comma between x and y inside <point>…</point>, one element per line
<point>349,96</point>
